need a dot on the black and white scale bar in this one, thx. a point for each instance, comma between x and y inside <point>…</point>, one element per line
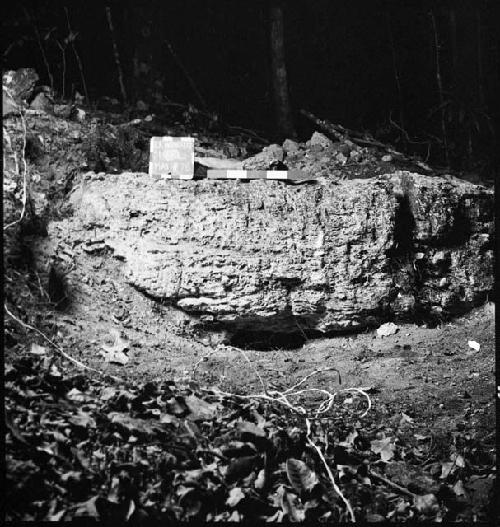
<point>290,175</point>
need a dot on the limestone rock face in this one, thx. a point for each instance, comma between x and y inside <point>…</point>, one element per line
<point>264,256</point>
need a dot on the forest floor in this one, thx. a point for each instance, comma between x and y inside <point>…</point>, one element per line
<point>186,429</point>
<point>432,409</point>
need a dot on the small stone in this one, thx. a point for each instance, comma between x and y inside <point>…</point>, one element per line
<point>440,256</point>
<point>320,139</point>
<point>290,146</point>
<point>42,103</point>
<point>77,114</point>
<point>387,329</point>
<point>341,158</point>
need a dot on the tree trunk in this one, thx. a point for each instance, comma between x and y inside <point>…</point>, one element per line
<point>284,122</point>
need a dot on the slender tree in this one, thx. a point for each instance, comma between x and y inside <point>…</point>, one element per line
<point>284,121</point>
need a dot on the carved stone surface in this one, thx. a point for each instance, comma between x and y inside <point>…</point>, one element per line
<point>264,256</point>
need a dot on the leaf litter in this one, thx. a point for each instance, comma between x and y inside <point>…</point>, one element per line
<point>136,452</point>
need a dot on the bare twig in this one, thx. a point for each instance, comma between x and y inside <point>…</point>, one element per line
<point>25,176</point>
<point>40,45</point>
<point>315,372</point>
<point>43,293</point>
<point>116,55</point>
<point>250,133</point>
<point>63,53</point>
<point>186,74</point>
<point>440,86</point>
<point>329,472</point>
<point>390,483</point>
<point>396,70</point>
<point>341,133</point>
<point>300,328</point>
<point>204,358</point>
<point>254,369</point>
<point>71,38</point>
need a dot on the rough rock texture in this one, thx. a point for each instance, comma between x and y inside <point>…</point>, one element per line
<point>20,83</point>
<point>262,255</point>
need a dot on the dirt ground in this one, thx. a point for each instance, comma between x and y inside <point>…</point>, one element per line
<point>431,394</point>
<point>430,374</point>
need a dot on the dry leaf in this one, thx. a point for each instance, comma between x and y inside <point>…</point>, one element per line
<point>405,419</point>
<point>260,481</point>
<point>349,440</point>
<point>235,496</point>
<point>251,428</point>
<point>241,468</point>
<point>77,396</point>
<point>459,489</point>
<point>301,477</point>
<point>426,504</point>
<point>83,419</point>
<point>384,447</point>
<point>292,507</point>
<point>200,409</point>
<point>36,349</point>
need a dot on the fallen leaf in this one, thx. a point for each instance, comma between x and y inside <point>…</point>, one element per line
<point>459,488</point>
<point>83,420</point>
<point>238,449</point>
<point>36,349</point>
<point>234,517</point>
<point>134,425</point>
<point>177,406</point>
<point>301,477</point>
<point>374,518</point>
<point>200,409</point>
<point>387,329</point>
<point>349,440</point>
<point>292,507</point>
<point>459,460</point>
<point>235,496</point>
<point>405,419</point>
<point>426,504</point>
<point>240,468</point>
<point>384,447</point>
<point>251,428</point>
<point>167,419</point>
<point>260,481</point>
<point>107,393</point>
<point>77,396</point>
<point>116,357</point>
<point>54,371</point>
<point>87,509</point>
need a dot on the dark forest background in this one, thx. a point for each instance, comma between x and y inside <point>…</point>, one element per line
<point>422,75</point>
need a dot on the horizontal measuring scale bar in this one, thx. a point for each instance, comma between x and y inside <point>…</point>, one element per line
<point>293,175</point>
<point>176,176</point>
